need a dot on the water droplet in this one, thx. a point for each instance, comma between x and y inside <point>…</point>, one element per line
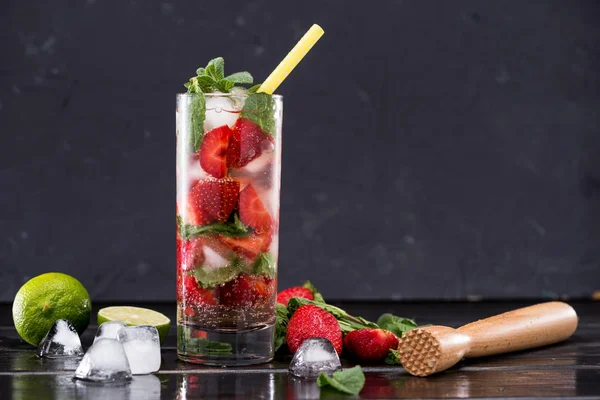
<point>266,146</point>
<point>251,153</point>
<point>218,110</point>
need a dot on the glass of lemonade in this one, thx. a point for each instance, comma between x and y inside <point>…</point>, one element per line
<point>228,167</point>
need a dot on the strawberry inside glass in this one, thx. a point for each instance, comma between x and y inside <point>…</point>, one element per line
<point>228,183</point>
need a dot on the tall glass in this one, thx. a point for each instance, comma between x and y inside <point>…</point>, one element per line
<point>228,181</point>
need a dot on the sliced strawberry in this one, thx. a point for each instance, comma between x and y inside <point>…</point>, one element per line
<point>191,253</point>
<point>194,213</point>
<point>250,246</point>
<point>213,152</point>
<point>247,141</point>
<point>253,212</point>
<point>233,151</point>
<point>213,200</point>
<point>247,290</point>
<point>194,295</point>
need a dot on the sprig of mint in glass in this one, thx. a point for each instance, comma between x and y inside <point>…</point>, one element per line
<point>258,107</point>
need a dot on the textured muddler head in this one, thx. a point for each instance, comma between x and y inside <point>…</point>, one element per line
<point>425,351</point>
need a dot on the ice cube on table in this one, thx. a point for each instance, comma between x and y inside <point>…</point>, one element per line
<point>142,346</point>
<point>109,330</point>
<point>219,111</point>
<point>105,361</point>
<point>314,356</point>
<point>61,340</point>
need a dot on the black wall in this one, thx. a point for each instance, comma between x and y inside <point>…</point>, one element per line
<point>432,149</point>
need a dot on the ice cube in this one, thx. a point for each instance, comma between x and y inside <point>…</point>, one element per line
<point>142,347</point>
<point>213,258</point>
<point>316,355</point>
<point>219,111</point>
<point>61,340</point>
<point>105,361</point>
<point>109,330</point>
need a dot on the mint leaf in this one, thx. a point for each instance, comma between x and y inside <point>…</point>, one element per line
<point>197,116</point>
<point>224,85</point>
<point>282,319</point>
<point>232,229</point>
<point>254,88</point>
<point>397,325</point>
<point>206,83</point>
<point>349,381</point>
<point>393,358</point>
<point>208,277</point>
<point>317,296</point>
<point>264,265</point>
<point>216,68</point>
<point>241,78</point>
<point>259,108</point>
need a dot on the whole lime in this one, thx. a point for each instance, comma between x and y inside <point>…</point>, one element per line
<point>46,298</point>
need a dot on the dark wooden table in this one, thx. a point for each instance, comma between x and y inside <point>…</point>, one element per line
<point>570,369</point>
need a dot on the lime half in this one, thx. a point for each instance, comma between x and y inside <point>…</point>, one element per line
<point>133,316</point>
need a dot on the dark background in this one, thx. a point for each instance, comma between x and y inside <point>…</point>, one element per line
<point>432,149</point>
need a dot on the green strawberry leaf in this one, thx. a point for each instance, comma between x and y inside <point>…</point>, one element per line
<point>393,358</point>
<point>397,325</point>
<point>216,68</point>
<point>349,381</point>
<point>348,323</point>
<point>241,78</point>
<point>265,265</point>
<point>197,116</point>
<point>208,277</point>
<point>282,319</point>
<point>201,71</point>
<point>259,108</point>
<point>317,296</point>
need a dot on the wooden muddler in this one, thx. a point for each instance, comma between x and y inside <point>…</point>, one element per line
<point>425,351</point>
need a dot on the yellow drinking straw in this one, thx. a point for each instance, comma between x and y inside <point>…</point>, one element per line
<point>292,59</point>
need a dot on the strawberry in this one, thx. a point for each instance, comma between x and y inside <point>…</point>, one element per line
<point>253,212</point>
<point>297,291</point>
<point>247,290</point>
<point>370,345</point>
<point>193,294</point>
<point>213,152</point>
<point>191,254</point>
<point>311,321</point>
<point>212,200</point>
<point>250,246</point>
<point>247,142</point>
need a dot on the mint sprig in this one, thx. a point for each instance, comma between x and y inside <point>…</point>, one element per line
<point>212,78</point>
<point>349,381</point>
